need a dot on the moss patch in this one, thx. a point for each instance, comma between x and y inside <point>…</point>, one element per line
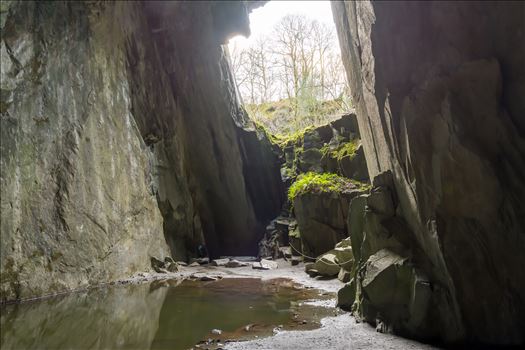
<point>343,150</point>
<point>319,183</point>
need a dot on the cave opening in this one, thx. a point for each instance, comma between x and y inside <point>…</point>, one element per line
<point>292,84</point>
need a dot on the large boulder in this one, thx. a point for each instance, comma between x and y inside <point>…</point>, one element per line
<point>327,265</point>
<point>346,296</point>
<point>396,294</point>
<point>321,218</point>
<point>344,254</point>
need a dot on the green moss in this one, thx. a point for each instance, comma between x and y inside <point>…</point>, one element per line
<point>319,183</point>
<point>284,140</point>
<point>365,187</point>
<point>343,150</point>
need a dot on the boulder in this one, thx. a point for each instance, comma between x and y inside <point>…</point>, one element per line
<point>321,218</point>
<point>168,265</point>
<point>264,264</point>
<point>344,275</point>
<point>172,266</point>
<point>219,262</point>
<point>386,285</point>
<point>326,265</point>
<point>346,296</point>
<point>344,254</point>
<point>158,265</point>
<point>309,267</point>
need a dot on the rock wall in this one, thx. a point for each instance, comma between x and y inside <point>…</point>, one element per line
<point>122,138</point>
<point>439,92</point>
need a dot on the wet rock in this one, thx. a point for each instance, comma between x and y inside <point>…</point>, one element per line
<point>172,267</point>
<point>157,265</point>
<point>182,263</point>
<point>168,265</point>
<point>194,264</point>
<point>264,264</point>
<point>204,277</point>
<point>219,262</point>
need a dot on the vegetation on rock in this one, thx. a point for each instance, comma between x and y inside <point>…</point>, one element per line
<point>343,149</point>
<point>322,183</point>
<point>280,117</point>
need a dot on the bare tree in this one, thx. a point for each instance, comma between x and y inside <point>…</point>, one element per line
<point>300,62</point>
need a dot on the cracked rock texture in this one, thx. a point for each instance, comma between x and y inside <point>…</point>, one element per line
<point>122,139</point>
<point>439,91</point>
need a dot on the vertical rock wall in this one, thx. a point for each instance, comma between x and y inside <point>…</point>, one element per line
<point>76,205</point>
<point>439,92</point>
<point>122,139</point>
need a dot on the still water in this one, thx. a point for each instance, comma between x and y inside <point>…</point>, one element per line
<point>159,315</point>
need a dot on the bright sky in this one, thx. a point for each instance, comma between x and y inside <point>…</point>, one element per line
<point>263,19</point>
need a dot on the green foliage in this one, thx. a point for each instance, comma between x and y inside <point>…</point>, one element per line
<point>343,150</point>
<point>318,183</point>
<point>291,116</point>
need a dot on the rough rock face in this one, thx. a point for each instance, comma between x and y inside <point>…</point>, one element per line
<point>77,204</point>
<point>439,91</point>
<point>334,147</point>
<point>120,132</point>
<point>227,178</point>
<point>321,218</point>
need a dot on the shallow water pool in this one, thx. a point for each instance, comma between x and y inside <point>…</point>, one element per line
<point>170,314</point>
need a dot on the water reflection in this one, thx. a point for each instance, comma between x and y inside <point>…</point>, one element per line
<point>124,317</point>
<point>160,315</point>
